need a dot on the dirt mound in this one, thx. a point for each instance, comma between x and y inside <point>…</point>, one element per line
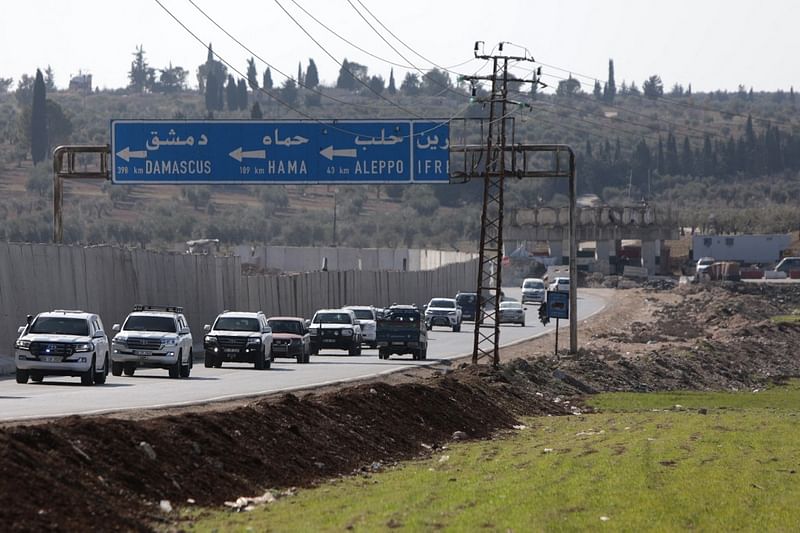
<point>103,473</point>
<point>108,473</point>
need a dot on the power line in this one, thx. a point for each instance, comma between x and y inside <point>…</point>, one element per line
<point>359,80</point>
<point>424,75</point>
<point>254,54</point>
<point>328,124</point>
<point>282,102</point>
<point>401,41</point>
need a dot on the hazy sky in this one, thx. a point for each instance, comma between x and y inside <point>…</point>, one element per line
<point>712,44</point>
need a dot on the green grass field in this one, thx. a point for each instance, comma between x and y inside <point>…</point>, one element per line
<point>647,462</point>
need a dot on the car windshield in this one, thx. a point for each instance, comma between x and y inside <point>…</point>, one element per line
<point>150,323</point>
<point>402,315</point>
<point>533,285</point>
<point>510,305</point>
<point>447,304</point>
<point>60,326</point>
<point>227,323</point>
<point>286,326</point>
<point>332,318</point>
<point>363,314</point>
<point>462,299</point>
<point>563,281</point>
<point>706,262</point>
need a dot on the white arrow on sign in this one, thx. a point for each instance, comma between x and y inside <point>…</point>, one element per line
<point>240,154</point>
<point>330,153</point>
<point>126,154</point>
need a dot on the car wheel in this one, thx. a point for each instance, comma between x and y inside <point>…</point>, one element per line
<point>383,354</point>
<point>522,324</point>
<point>87,378</point>
<point>424,353</point>
<point>22,376</point>
<point>187,370</point>
<point>100,377</point>
<point>208,362</point>
<point>457,328</point>
<point>175,369</point>
<point>415,355</point>
<point>37,377</point>
<point>355,350</point>
<point>116,368</point>
<point>260,362</point>
<point>129,368</point>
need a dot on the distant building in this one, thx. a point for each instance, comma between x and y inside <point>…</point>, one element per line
<point>82,83</point>
<point>743,248</point>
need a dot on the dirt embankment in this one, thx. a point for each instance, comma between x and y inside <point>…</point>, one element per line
<point>111,473</point>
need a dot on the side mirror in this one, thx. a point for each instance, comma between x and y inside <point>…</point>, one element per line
<point>20,330</point>
<point>29,319</point>
<point>115,327</point>
<point>266,329</point>
<point>307,323</point>
<point>524,308</point>
<point>207,328</point>
<point>184,331</point>
<point>99,334</point>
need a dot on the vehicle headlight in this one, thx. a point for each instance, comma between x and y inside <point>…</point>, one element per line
<point>347,332</point>
<point>295,341</point>
<point>210,338</point>
<point>84,347</point>
<point>451,313</point>
<point>122,341</point>
<point>22,344</point>
<point>314,331</point>
<point>169,342</point>
<point>254,340</point>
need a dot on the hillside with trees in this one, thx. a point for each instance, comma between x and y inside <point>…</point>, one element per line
<point>726,161</point>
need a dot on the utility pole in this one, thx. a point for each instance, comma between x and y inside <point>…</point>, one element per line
<point>490,255</point>
<point>493,161</point>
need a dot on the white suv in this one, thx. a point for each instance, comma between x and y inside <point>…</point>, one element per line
<point>365,314</point>
<point>241,337</point>
<point>62,343</point>
<point>153,336</point>
<point>443,312</point>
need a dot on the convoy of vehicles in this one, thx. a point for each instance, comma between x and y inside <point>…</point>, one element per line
<point>74,343</point>
<point>62,343</point>
<point>443,312</point>
<point>238,337</point>
<point>402,330</point>
<point>153,336</point>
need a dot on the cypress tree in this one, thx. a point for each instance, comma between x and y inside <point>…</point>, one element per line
<point>612,86</point>
<point>660,161</point>
<point>252,75</point>
<point>687,158</point>
<point>232,94</point>
<point>312,76</point>
<point>255,112</point>
<point>267,82</point>
<point>242,94</point>
<point>671,161</point>
<point>393,89</point>
<point>39,120</point>
<point>598,90</point>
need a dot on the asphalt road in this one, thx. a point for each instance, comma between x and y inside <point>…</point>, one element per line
<point>151,388</point>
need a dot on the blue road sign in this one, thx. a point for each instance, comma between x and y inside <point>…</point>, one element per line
<point>557,304</point>
<point>250,151</point>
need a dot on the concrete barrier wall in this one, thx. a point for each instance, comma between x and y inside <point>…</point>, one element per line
<point>110,280</point>
<point>297,259</point>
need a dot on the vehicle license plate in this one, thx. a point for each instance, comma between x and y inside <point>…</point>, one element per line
<point>329,341</point>
<point>50,359</point>
<point>398,343</point>
<point>231,350</point>
<point>141,352</point>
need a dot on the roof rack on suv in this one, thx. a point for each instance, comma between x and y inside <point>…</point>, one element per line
<point>68,311</point>
<point>166,308</point>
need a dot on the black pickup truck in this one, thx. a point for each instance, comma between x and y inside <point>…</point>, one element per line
<point>402,330</point>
